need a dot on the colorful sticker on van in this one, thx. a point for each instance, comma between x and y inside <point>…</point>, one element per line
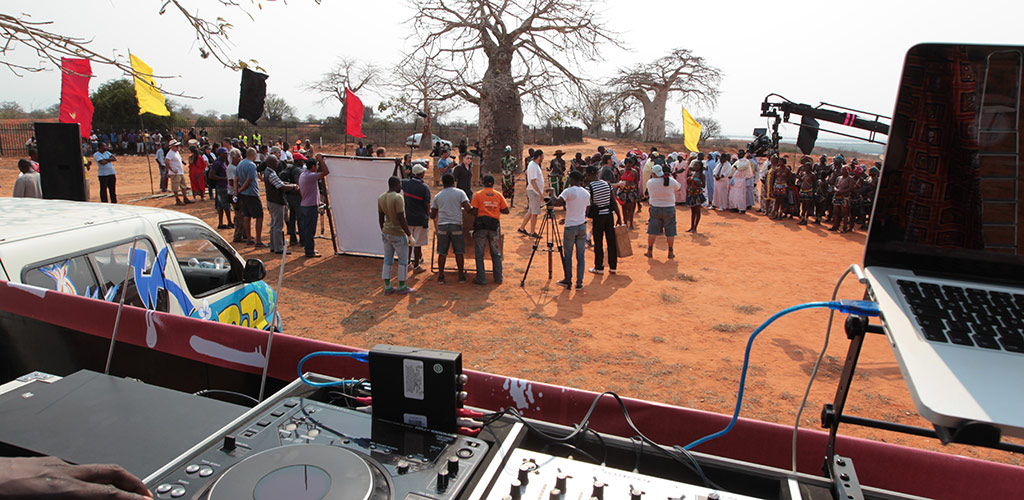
<point>58,272</point>
<point>150,284</point>
<point>246,306</point>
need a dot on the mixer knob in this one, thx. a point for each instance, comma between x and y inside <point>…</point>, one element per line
<point>229,443</point>
<point>556,494</point>
<point>453,466</point>
<point>713,495</point>
<point>515,490</point>
<point>598,491</point>
<point>560,480</point>
<point>442,480</point>
<point>635,494</point>
<point>402,466</point>
<point>524,473</point>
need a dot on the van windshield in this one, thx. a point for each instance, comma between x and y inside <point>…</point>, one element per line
<point>207,264</point>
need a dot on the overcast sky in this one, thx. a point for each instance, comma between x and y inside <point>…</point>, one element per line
<point>847,53</point>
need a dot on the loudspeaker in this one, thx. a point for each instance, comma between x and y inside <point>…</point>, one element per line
<point>61,174</point>
<point>808,134</point>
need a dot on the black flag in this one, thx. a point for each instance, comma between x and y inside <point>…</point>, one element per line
<point>254,92</point>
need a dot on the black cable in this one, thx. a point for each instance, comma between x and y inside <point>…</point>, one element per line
<point>230,393</point>
<point>638,451</point>
<point>604,446</point>
<point>582,426</point>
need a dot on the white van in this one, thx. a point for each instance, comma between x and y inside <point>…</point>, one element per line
<point>180,264</point>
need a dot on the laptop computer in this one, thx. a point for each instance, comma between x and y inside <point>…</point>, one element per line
<point>945,250</point>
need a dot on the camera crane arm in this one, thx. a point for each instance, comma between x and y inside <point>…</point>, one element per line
<point>781,109</point>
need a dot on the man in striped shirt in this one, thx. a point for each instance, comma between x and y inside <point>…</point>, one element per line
<point>602,205</point>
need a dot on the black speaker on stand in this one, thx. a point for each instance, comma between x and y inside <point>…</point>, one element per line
<point>61,174</point>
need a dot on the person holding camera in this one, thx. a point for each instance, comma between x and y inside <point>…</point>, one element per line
<point>574,235</point>
<point>488,205</point>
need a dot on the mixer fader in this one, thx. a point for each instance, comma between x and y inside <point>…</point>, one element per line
<point>529,475</point>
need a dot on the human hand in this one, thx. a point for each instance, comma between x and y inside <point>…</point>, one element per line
<point>46,478</point>
<point>412,240</point>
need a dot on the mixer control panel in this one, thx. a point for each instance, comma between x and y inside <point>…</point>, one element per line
<point>529,475</point>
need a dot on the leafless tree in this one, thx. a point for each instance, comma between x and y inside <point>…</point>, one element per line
<point>346,73</point>
<point>679,72</point>
<point>502,51</point>
<point>709,129</point>
<point>419,88</point>
<point>593,107</point>
<point>624,109</point>
<point>21,31</point>
<point>277,109</point>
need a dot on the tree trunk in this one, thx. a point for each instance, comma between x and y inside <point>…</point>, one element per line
<point>501,112</point>
<point>427,139</point>
<point>654,117</point>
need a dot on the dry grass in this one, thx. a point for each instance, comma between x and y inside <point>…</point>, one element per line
<point>748,309</point>
<point>731,327</point>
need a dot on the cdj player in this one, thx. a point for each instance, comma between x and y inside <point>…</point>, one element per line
<point>297,448</point>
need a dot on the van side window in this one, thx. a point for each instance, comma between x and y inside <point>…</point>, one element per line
<point>205,260</point>
<point>111,264</point>
<point>71,275</point>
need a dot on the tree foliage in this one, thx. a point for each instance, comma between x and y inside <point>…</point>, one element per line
<point>593,106</point>
<point>680,73</point>
<point>276,109</point>
<point>115,107</point>
<point>500,52</point>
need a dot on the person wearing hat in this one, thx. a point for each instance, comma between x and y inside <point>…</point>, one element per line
<point>219,179</point>
<point>556,172</point>
<point>417,209</point>
<point>176,173</point>
<point>509,164</point>
<point>662,191</point>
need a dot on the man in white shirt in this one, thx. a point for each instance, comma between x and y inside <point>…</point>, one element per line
<point>534,193</point>
<point>176,173</point>
<point>574,236</point>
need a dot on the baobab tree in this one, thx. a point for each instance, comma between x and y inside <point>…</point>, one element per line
<point>593,107</point>
<point>679,72</point>
<point>522,48</point>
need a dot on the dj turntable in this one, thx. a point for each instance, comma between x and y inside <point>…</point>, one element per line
<point>294,448</point>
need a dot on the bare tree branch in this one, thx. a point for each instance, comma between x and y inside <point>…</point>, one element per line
<point>346,73</point>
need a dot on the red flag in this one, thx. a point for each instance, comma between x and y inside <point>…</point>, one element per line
<point>353,115</point>
<point>75,106</point>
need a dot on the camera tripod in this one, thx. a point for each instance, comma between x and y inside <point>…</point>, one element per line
<point>549,232</point>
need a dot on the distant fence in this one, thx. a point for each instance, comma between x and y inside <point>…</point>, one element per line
<point>13,137</point>
<point>381,134</point>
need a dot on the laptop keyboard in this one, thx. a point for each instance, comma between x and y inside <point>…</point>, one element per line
<point>967,316</point>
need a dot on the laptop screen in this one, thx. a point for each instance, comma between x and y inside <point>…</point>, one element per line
<point>950,192</point>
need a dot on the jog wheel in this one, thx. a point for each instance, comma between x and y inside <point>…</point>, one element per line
<point>304,472</point>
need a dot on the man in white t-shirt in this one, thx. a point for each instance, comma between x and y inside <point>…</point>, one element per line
<point>176,173</point>
<point>576,199</point>
<point>534,193</point>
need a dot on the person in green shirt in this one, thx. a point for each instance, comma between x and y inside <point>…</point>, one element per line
<point>396,236</point>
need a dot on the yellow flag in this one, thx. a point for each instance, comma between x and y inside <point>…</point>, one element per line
<point>691,131</point>
<point>150,99</point>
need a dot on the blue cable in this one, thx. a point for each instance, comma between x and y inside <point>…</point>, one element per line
<point>358,356</point>
<point>858,307</point>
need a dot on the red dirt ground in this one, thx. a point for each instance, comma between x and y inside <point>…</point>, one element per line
<point>663,330</point>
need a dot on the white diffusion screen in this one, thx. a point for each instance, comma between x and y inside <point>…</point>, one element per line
<point>353,186</point>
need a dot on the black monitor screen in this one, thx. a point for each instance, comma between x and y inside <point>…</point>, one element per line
<point>949,197</point>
